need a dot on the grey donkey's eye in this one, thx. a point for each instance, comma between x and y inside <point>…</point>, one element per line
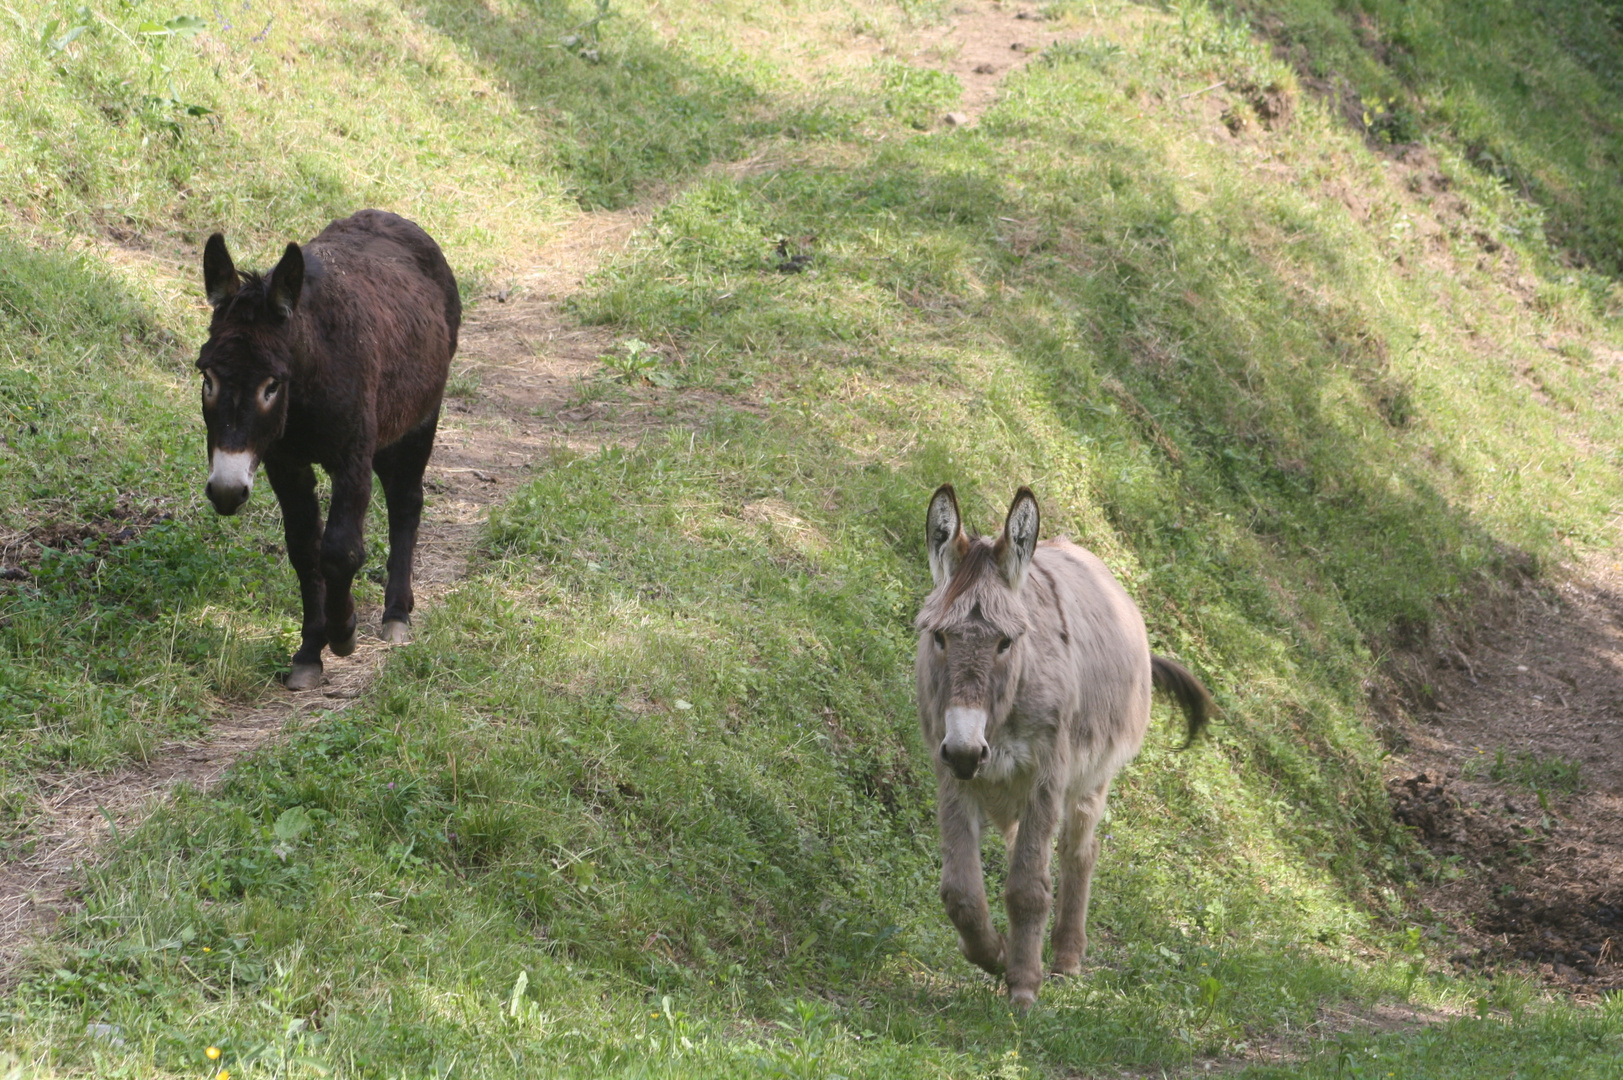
<point>940,640</point>
<point>1003,646</point>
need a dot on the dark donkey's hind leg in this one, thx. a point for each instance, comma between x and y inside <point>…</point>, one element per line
<point>295,488</point>
<point>400,467</point>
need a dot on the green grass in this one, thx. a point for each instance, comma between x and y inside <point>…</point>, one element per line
<point>139,614</point>
<point>1542,774</point>
<point>645,798</point>
<point>1524,92</point>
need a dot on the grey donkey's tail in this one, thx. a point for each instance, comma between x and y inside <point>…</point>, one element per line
<point>1178,683</point>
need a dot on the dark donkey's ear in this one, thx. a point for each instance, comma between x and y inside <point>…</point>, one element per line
<point>944,534</point>
<point>287,281</point>
<point>1014,548</point>
<point>220,280</point>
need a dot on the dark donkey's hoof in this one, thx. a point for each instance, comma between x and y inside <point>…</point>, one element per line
<point>303,677</point>
<point>345,647</point>
<point>395,631</point>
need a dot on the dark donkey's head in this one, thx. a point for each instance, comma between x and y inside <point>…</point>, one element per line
<point>975,620</point>
<point>246,363</point>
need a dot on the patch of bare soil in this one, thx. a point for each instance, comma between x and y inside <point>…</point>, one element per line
<point>517,382</point>
<point>21,551</point>
<point>981,43</point>
<point>1530,872</point>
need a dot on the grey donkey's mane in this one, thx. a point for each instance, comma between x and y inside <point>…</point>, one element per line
<point>976,592</point>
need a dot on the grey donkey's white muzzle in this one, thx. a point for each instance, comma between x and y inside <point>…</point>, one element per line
<point>231,479</point>
<point>965,749</point>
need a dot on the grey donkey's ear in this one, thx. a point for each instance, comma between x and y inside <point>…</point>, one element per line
<point>220,280</point>
<point>287,281</point>
<point>1014,548</point>
<point>944,534</point>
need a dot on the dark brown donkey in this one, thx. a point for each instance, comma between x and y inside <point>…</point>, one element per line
<point>337,358</point>
<point>1034,678</point>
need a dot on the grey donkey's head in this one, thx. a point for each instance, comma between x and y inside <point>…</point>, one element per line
<point>975,619</point>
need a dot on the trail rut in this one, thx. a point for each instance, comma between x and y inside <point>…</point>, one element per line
<point>1513,778</point>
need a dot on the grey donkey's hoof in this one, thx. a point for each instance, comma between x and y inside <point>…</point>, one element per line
<point>303,677</point>
<point>345,647</point>
<point>1022,1000</point>
<point>395,632</point>
<point>990,961</point>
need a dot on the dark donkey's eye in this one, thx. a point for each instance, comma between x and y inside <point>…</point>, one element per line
<point>1003,645</point>
<point>940,640</point>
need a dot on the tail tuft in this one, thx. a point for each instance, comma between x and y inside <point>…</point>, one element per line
<point>1178,683</point>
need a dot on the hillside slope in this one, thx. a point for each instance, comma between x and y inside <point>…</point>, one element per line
<point>646,796</point>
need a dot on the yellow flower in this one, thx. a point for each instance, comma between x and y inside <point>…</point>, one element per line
<point>222,1075</point>
<point>207,949</point>
<point>212,1053</point>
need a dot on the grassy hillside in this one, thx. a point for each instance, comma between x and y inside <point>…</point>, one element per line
<point>1527,93</point>
<point>646,798</point>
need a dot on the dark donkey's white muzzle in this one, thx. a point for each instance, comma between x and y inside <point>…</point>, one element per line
<point>231,479</point>
<point>965,747</point>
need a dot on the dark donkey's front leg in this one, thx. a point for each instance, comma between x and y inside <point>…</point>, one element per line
<point>295,488</point>
<point>963,884</point>
<point>343,547</point>
<point>401,467</point>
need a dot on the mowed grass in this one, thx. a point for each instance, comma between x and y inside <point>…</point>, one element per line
<point>645,799</point>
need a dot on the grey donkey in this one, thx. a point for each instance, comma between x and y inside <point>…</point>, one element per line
<point>1034,680</point>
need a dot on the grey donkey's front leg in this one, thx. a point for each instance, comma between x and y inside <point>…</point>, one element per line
<point>1027,898</point>
<point>963,887</point>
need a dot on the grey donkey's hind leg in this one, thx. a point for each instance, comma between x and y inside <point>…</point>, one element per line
<point>963,886</point>
<point>1078,851</point>
<point>400,467</point>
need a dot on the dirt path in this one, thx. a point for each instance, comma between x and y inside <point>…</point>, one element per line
<point>513,400</point>
<point>1514,780</point>
<point>982,43</point>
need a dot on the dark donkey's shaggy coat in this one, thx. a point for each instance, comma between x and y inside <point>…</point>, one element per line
<point>336,358</point>
<point>1034,677</point>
